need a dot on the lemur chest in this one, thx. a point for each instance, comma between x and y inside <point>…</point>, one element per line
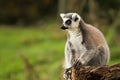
<point>76,44</point>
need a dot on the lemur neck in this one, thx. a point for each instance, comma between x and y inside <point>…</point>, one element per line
<point>76,33</point>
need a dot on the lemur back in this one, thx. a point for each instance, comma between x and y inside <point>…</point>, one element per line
<point>93,37</point>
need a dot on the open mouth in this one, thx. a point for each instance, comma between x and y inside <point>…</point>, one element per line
<point>63,27</point>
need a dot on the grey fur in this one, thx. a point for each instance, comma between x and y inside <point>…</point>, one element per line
<point>85,43</point>
<point>96,55</point>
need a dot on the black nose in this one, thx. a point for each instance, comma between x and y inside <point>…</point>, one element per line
<point>68,22</point>
<point>63,27</point>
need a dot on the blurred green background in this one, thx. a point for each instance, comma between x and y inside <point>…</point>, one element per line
<point>32,43</point>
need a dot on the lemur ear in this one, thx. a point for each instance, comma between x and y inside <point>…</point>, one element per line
<point>75,16</point>
<point>62,15</point>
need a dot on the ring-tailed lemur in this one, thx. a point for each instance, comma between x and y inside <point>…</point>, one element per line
<point>85,43</point>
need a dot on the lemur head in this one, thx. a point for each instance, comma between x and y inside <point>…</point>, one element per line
<point>70,20</point>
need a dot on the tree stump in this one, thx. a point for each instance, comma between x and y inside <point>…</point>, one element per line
<point>96,73</point>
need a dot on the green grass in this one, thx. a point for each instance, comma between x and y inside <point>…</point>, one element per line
<point>43,47</point>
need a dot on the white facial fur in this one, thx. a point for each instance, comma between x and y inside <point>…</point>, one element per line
<point>71,16</point>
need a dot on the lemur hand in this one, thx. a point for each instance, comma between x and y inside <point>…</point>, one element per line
<point>77,64</point>
<point>67,74</point>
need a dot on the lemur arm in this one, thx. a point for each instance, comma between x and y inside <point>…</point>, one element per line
<point>89,54</point>
<point>68,57</point>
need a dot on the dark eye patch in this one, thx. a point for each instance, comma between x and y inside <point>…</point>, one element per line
<point>68,22</point>
<point>76,19</point>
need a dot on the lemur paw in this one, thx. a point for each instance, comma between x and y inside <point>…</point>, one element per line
<point>67,74</point>
<point>77,64</point>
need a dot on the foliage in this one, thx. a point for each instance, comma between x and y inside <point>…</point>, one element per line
<point>24,11</point>
<point>30,11</point>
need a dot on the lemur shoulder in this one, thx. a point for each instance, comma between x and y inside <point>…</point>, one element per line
<point>85,43</point>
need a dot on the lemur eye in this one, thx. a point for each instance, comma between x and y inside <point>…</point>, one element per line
<point>68,22</point>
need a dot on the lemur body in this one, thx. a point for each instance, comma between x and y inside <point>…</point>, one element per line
<point>85,43</point>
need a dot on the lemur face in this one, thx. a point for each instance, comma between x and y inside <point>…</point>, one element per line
<point>70,20</point>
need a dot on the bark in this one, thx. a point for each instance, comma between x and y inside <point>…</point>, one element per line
<point>96,73</point>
